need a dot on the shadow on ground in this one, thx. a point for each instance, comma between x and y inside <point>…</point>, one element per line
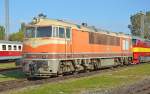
<point>15,74</point>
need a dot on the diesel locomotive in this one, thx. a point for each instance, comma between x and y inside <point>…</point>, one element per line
<point>55,47</point>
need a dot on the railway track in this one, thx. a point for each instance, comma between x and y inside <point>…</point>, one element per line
<point>9,69</point>
<point>8,85</point>
<point>6,61</point>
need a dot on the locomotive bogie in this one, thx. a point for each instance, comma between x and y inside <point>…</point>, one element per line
<point>41,67</point>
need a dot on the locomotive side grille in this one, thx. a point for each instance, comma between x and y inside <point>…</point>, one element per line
<point>103,39</point>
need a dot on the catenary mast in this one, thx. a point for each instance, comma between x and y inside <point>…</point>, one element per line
<point>6,10</point>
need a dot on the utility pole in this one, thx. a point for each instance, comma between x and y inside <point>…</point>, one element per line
<point>142,24</point>
<point>6,7</point>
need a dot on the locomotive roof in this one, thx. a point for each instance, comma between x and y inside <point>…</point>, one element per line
<point>47,22</point>
<point>10,42</point>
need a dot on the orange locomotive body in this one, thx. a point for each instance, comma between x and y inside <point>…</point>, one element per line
<point>53,47</point>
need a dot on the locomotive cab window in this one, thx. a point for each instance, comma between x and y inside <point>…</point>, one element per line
<point>68,33</point>
<point>44,31</point>
<point>30,32</point>
<point>3,47</point>
<point>55,31</point>
<point>133,41</point>
<point>61,32</point>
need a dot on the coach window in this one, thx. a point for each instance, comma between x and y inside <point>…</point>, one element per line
<point>61,32</point>
<point>15,47</point>
<point>9,47</point>
<point>44,31</point>
<point>3,47</point>
<point>19,47</point>
<point>68,33</point>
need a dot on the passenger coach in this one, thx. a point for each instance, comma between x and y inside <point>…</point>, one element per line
<point>10,50</point>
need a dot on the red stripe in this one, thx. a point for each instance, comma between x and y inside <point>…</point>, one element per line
<point>141,54</point>
<point>10,53</point>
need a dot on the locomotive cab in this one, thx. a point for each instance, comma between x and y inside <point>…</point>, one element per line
<point>41,44</point>
<point>134,41</point>
<point>141,51</point>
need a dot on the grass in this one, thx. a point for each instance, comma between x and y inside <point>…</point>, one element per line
<point>11,75</point>
<point>100,81</point>
<point>7,65</point>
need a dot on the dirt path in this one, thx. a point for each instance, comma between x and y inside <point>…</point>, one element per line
<point>141,87</point>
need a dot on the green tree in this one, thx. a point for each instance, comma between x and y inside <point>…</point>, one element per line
<point>147,26</point>
<point>136,24</point>
<point>140,25</point>
<point>18,36</point>
<point>2,32</point>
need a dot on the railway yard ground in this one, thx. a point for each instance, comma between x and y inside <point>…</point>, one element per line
<point>8,75</point>
<point>6,64</point>
<point>123,80</point>
<point>9,71</point>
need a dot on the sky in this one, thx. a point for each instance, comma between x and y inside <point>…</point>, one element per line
<point>112,15</point>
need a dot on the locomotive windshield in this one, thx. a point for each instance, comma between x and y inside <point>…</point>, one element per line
<point>48,31</point>
<point>133,41</point>
<point>39,32</point>
<point>30,32</point>
<point>44,31</point>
